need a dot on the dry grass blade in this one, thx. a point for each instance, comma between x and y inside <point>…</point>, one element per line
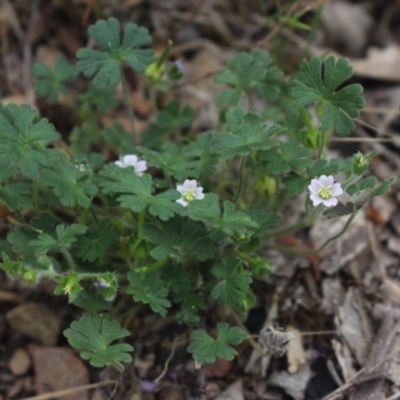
<point>66,392</point>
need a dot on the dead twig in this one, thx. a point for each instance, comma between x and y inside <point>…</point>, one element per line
<point>174,344</point>
<point>357,378</point>
<point>66,392</point>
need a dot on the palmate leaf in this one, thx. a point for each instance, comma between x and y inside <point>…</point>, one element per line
<point>248,133</point>
<point>265,219</point>
<point>136,192</point>
<point>93,335</point>
<point>148,289</point>
<point>71,185</point>
<point>245,71</point>
<point>64,236</point>
<point>178,238</point>
<point>172,160</point>
<point>15,195</point>
<point>96,242</point>
<point>172,118</point>
<point>206,162</point>
<point>206,349</point>
<point>106,65</point>
<point>51,82</point>
<point>232,282</point>
<point>24,140</point>
<point>285,158</point>
<point>226,219</point>
<point>319,82</point>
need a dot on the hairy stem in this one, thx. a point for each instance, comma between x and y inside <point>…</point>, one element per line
<point>250,338</point>
<point>128,103</point>
<point>240,185</point>
<point>68,257</point>
<point>306,252</point>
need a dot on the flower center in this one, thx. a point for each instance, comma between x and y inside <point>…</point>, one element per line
<point>325,192</point>
<point>189,195</point>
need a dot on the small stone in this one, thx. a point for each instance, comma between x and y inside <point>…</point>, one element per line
<point>20,362</point>
<point>37,321</point>
<point>58,368</point>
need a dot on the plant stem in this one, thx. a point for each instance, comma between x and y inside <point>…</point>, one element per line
<point>128,103</point>
<point>306,252</point>
<point>312,132</point>
<point>240,185</point>
<point>68,257</point>
<point>288,229</point>
<point>321,145</point>
<point>35,196</point>
<point>253,343</point>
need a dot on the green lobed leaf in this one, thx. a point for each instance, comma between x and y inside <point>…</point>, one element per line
<point>148,289</point>
<point>206,349</point>
<point>320,82</point>
<point>95,243</point>
<point>367,183</point>
<point>103,99</point>
<point>24,140</point>
<point>16,196</point>
<point>51,83</point>
<point>64,236</point>
<point>105,65</point>
<point>93,335</point>
<point>265,219</point>
<point>246,138</point>
<point>246,71</point>
<point>383,188</point>
<point>226,219</point>
<point>118,139</point>
<point>136,192</point>
<point>178,238</point>
<point>205,161</point>
<point>171,160</point>
<point>172,118</point>
<point>71,185</point>
<point>287,157</point>
<point>232,282</point>
<point>177,277</point>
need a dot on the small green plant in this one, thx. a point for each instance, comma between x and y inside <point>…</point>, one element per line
<point>176,224</point>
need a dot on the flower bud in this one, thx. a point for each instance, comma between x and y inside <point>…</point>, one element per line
<point>360,164</point>
<point>108,286</point>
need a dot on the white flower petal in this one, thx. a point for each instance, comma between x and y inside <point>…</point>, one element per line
<point>326,180</point>
<point>313,188</point>
<point>120,164</point>
<point>190,184</point>
<point>314,197</point>
<point>330,202</point>
<point>316,201</point>
<point>180,189</point>
<point>182,202</point>
<point>130,159</point>
<point>199,196</point>
<point>337,190</point>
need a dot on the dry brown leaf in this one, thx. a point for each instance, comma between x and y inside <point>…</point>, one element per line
<point>391,290</point>
<point>354,324</point>
<point>382,64</point>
